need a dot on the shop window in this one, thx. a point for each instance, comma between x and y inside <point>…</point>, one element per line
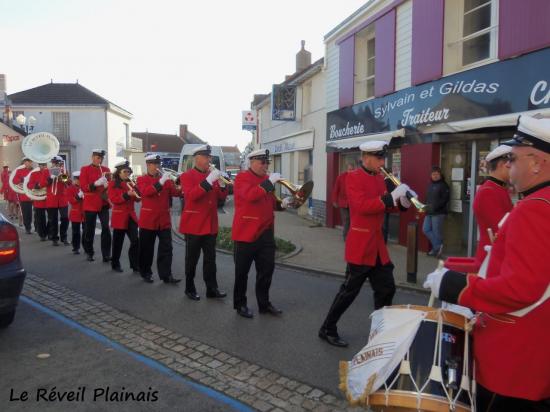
<point>470,33</point>
<point>364,64</point>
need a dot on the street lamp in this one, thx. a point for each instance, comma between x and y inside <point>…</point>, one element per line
<point>27,125</point>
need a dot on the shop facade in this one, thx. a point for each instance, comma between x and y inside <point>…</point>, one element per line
<point>427,116</point>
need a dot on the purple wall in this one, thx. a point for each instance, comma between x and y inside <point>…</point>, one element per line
<point>427,40</point>
<point>384,80</point>
<point>523,27</point>
<point>346,72</point>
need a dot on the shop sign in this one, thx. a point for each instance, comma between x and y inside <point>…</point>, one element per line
<point>248,120</point>
<point>509,86</point>
<point>290,144</point>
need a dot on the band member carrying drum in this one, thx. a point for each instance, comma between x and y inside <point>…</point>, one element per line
<point>199,222</point>
<point>39,180</point>
<point>123,218</point>
<point>511,336</point>
<point>75,197</point>
<point>94,179</point>
<point>56,202</point>
<point>492,200</point>
<point>366,252</point>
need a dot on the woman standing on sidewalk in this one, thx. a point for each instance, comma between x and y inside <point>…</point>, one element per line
<point>437,199</point>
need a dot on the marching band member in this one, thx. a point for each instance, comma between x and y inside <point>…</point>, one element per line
<point>5,178</point>
<point>75,197</point>
<point>24,201</point>
<point>492,200</point>
<point>56,202</point>
<point>199,222</point>
<point>94,181</point>
<point>38,180</point>
<point>123,219</point>
<point>9,195</point>
<point>252,232</point>
<point>156,190</point>
<point>511,348</point>
<point>366,252</point>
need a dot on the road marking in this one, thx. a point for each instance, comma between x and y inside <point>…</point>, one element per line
<point>236,405</point>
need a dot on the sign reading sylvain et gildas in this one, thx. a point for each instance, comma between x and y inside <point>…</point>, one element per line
<point>504,87</point>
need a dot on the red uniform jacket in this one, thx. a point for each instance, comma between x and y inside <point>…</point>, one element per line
<point>76,214</point>
<point>155,202</point>
<point>39,179</point>
<point>18,180</point>
<point>123,204</point>
<point>55,195</point>
<point>513,353</point>
<point>5,176</point>
<point>491,203</point>
<point>254,206</point>
<point>200,214</point>
<point>94,199</point>
<point>339,191</point>
<point>365,240</point>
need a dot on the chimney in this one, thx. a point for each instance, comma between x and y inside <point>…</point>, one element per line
<point>183,131</point>
<point>303,58</point>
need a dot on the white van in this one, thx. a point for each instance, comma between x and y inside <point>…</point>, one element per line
<point>186,157</point>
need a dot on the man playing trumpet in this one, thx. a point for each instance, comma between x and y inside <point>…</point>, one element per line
<point>94,181</point>
<point>199,222</point>
<point>366,252</point>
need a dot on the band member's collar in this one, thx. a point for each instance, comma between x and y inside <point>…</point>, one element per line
<point>150,175</point>
<point>255,174</point>
<point>497,181</point>
<point>535,188</point>
<point>199,170</point>
<point>95,165</point>
<point>370,172</point>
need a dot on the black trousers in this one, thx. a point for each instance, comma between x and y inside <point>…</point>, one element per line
<point>55,217</point>
<point>193,246</point>
<point>262,253</point>
<point>89,232</point>
<point>382,283</point>
<point>147,250</point>
<point>75,239</point>
<point>487,401</point>
<point>118,241</point>
<point>26,210</point>
<point>40,219</point>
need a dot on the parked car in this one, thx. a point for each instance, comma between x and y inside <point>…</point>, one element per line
<point>12,273</point>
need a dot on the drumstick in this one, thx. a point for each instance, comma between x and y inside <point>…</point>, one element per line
<point>491,235</point>
<point>440,265</point>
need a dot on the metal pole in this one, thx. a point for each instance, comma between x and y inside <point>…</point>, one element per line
<point>412,250</point>
<point>473,175</point>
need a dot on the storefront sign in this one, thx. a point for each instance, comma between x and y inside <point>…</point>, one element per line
<point>499,88</point>
<point>291,144</point>
<point>248,120</point>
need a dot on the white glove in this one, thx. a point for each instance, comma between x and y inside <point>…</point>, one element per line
<point>80,194</point>
<point>102,181</point>
<point>274,177</point>
<point>461,310</point>
<point>399,191</point>
<point>286,202</point>
<point>213,176</point>
<point>433,281</point>
<point>53,177</point>
<point>164,178</point>
<point>406,203</point>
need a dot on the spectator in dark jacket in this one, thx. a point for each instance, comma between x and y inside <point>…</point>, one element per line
<point>437,200</point>
<point>340,199</point>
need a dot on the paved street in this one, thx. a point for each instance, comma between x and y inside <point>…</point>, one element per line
<point>266,363</point>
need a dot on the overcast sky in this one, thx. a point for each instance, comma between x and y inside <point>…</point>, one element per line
<point>167,62</point>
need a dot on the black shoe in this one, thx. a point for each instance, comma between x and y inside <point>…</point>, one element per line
<point>245,312</point>
<point>172,280</point>
<point>65,243</point>
<point>28,232</point>
<point>135,270</point>
<point>271,310</point>
<point>76,251</point>
<point>147,278</point>
<point>55,243</point>
<point>439,253</point>
<point>117,269</point>
<point>90,258</point>
<point>43,239</point>
<point>334,340</point>
<point>106,259</point>
<point>192,295</point>
<point>215,293</point>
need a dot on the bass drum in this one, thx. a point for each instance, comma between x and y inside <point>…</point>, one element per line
<point>435,375</point>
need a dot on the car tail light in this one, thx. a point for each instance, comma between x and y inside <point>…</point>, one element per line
<point>9,243</point>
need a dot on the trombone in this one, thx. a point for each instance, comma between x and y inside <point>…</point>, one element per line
<point>414,200</point>
<point>299,193</point>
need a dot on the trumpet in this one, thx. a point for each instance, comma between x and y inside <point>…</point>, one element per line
<point>132,183</point>
<point>414,200</point>
<point>222,178</point>
<point>173,175</point>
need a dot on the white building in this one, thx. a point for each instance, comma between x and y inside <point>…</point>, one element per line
<point>79,118</point>
<point>297,146</point>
